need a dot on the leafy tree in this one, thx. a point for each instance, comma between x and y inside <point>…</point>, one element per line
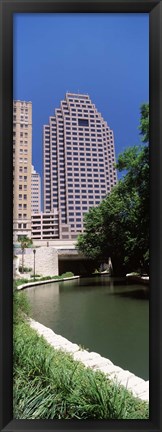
<point>25,242</point>
<point>144,123</point>
<point>118,227</point>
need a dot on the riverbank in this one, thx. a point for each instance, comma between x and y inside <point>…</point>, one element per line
<point>138,386</point>
<point>50,384</point>
<point>45,281</point>
<point>137,278</point>
<point>61,307</point>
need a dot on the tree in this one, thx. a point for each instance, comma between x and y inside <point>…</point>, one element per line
<point>118,227</point>
<point>25,243</point>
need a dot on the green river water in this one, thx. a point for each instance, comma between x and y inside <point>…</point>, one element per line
<point>103,314</point>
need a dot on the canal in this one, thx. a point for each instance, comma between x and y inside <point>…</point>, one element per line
<point>102,314</point>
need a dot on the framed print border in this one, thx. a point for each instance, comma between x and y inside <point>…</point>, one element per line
<point>8,9</point>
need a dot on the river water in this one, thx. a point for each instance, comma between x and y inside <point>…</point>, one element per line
<point>102,314</point>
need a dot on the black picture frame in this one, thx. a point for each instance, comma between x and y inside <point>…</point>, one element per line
<point>8,8</point>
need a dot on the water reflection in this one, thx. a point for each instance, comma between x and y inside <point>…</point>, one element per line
<point>141,293</point>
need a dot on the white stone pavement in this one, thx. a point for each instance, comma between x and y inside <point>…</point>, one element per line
<point>138,386</point>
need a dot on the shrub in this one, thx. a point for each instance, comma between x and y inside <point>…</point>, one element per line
<point>21,306</point>
<point>21,281</point>
<point>67,274</point>
<point>25,269</point>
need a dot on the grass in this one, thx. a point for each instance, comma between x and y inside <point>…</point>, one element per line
<point>38,278</point>
<point>49,384</point>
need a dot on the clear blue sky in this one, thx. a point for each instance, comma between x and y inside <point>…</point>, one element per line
<point>104,55</point>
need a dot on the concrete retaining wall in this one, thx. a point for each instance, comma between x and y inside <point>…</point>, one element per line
<point>138,386</point>
<point>46,261</point>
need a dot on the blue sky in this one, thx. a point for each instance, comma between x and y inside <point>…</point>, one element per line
<point>104,55</point>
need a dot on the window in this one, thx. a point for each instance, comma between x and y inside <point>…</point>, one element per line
<point>83,122</point>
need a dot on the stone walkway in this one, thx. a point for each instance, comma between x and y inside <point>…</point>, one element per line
<point>138,386</point>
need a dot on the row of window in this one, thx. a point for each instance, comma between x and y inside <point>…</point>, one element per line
<point>23,151</point>
<point>24,206</point>
<point>21,109</point>
<point>22,197</point>
<point>25,134</point>
<point>24,187</point>
<point>22,117</point>
<point>20,215</point>
<point>22,225</point>
<point>23,169</point>
<point>21,178</point>
<point>22,125</point>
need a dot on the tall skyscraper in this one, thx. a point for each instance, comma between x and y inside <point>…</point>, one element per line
<point>22,157</point>
<point>35,191</point>
<point>79,157</point>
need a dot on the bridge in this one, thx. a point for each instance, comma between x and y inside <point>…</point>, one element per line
<point>64,253</point>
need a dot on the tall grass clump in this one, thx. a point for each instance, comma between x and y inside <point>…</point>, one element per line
<point>21,306</point>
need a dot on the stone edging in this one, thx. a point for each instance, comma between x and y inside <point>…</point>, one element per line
<point>30,284</point>
<point>136,385</point>
<point>136,278</point>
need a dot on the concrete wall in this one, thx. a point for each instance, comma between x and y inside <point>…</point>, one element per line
<point>58,244</point>
<point>46,260</point>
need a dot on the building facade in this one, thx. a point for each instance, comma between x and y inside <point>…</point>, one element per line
<point>22,158</point>
<point>35,191</point>
<point>45,226</point>
<point>78,162</point>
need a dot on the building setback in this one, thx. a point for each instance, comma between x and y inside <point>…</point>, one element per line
<point>22,157</point>
<point>35,192</point>
<point>78,162</point>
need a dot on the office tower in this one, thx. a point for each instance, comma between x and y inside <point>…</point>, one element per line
<point>22,158</point>
<point>79,157</point>
<point>35,192</point>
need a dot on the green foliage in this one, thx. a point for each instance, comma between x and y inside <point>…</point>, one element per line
<point>119,226</point>
<point>25,269</point>
<point>21,281</point>
<point>21,306</point>
<point>67,274</point>
<point>144,124</point>
<point>44,278</point>
<point>25,242</point>
<point>49,384</point>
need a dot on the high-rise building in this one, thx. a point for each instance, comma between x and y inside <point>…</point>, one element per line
<point>79,157</point>
<point>22,157</point>
<point>35,192</point>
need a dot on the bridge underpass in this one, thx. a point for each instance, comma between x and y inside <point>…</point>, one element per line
<point>72,261</point>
